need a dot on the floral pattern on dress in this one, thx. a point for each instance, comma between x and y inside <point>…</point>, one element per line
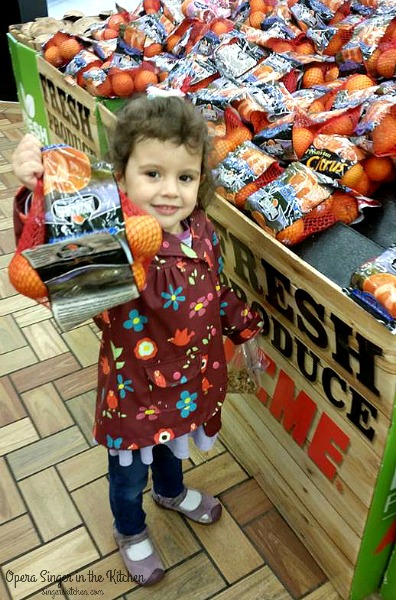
<point>187,403</point>
<point>136,321</point>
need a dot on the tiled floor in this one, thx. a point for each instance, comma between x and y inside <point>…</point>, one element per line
<point>54,515</point>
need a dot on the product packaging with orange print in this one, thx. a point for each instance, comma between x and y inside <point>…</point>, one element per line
<point>373,286</point>
<point>81,252</point>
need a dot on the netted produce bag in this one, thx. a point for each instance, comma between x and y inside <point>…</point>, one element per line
<point>84,247</point>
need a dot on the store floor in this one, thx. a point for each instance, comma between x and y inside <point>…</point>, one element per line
<point>54,514</point>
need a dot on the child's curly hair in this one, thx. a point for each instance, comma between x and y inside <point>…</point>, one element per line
<point>164,118</point>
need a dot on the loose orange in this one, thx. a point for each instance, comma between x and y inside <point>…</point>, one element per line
<point>143,79</point>
<point>122,84</point>
<point>379,168</point>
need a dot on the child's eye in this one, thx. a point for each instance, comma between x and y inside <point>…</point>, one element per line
<point>186,178</point>
<point>152,174</point>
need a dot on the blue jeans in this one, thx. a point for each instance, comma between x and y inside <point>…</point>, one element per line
<point>127,485</point>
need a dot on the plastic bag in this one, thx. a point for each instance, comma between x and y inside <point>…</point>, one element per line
<point>245,367</point>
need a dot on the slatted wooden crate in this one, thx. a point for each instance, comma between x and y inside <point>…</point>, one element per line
<point>319,436</point>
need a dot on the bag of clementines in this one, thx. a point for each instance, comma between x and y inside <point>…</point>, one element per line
<point>373,286</point>
<point>376,130</point>
<point>80,251</point>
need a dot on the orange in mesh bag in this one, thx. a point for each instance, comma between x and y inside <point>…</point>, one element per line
<point>67,173</point>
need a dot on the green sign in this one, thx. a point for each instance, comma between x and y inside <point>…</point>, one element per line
<point>30,96</point>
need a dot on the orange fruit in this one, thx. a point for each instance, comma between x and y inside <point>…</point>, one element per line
<point>151,6</point>
<point>379,168</point>
<point>358,82</point>
<point>371,62</point>
<point>312,76</point>
<point>122,84</point>
<point>144,235</point>
<point>139,274</point>
<point>25,279</point>
<point>220,27</point>
<point>305,48</point>
<point>332,73</point>
<point>377,280</point>
<point>244,193</point>
<point>256,18</point>
<point>152,50</point>
<point>222,146</point>
<point>53,56</point>
<point>293,234</point>
<point>344,207</point>
<point>384,136</point>
<point>390,32</point>
<point>257,5</point>
<point>114,21</point>
<point>342,125</point>
<point>282,46</point>
<point>104,89</point>
<point>69,48</point>
<point>143,79</point>
<point>316,106</point>
<point>109,33</point>
<point>352,176</point>
<point>386,63</point>
<point>302,139</point>
<point>335,44</point>
<point>383,287</point>
<point>172,41</point>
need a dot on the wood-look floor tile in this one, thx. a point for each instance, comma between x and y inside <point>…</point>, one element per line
<point>84,467</point>
<point>47,452</point>
<point>45,371</point>
<point>49,504</point>
<point>17,435</point>
<point>18,302</point>
<point>5,260</point>
<point>107,575</point>
<point>260,585</point>
<point>82,408</point>
<point>4,595</point>
<point>171,536</point>
<point>78,382</point>
<point>84,344</point>
<point>17,359</point>
<point>11,408</point>
<point>17,536</point>
<point>195,579</point>
<point>7,240</point>
<point>31,315</point>
<point>58,557</point>
<point>6,287</point>
<point>11,503</point>
<point>198,457</point>
<point>246,501</point>
<point>11,337</point>
<point>92,501</point>
<point>325,592</point>
<point>241,557</point>
<point>285,554</point>
<point>47,410</point>
<point>45,340</point>
<point>219,474</point>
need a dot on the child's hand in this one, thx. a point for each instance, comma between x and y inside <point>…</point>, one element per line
<point>27,162</point>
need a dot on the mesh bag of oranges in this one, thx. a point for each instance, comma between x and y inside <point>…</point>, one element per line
<point>377,127</point>
<point>301,202</point>
<point>243,172</point>
<point>373,285</point>
<point>84,247</point>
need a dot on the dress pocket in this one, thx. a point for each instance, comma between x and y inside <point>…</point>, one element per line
<point>176,385</point>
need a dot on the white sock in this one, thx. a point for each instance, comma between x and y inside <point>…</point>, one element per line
<point>139,551</point>
<point>191,501</point>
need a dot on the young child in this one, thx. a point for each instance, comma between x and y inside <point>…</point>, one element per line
<point>162,372</point>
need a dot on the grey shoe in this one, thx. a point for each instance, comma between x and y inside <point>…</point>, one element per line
<point>207,512</point>
<point>146,571</point>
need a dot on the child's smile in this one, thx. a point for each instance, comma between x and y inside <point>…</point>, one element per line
<point>163,179</point>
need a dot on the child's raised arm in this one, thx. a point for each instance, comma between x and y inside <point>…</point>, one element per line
<point>26,161</point>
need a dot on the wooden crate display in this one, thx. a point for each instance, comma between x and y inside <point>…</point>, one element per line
<point>319,436</point>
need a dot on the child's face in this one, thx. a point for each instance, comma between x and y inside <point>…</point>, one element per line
<point>163,179</point>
